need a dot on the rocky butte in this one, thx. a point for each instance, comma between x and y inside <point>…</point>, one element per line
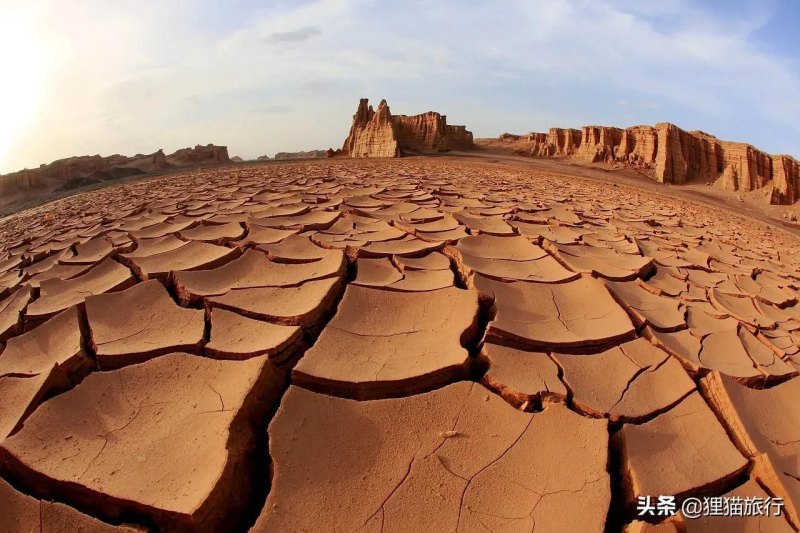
<point>671,155</point>
<point>381,134</point>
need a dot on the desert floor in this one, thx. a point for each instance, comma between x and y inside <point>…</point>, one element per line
<point>454,343</point>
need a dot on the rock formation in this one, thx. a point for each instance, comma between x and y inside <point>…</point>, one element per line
<point>311,154</point>
<point>73,172</point>
<point>564,141</point>
<point>381,134</point>
<point>670,155</point>
<point>372,133</point>
<point>785,179</point>
<point>637,145</point>
<point>199,154</point>
<point>540,147</point>
<point>598,142</point>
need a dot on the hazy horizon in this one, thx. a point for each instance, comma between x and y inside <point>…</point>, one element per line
<point>132,77</point>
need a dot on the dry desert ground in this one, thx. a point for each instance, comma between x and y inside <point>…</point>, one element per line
<point>422,344</point>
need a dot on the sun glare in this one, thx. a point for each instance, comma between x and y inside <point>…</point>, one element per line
<point>25,55</point>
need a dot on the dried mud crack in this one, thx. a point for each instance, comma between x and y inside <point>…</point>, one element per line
<point>386,345</point>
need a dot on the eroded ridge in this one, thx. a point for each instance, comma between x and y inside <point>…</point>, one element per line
<point>445,320</point>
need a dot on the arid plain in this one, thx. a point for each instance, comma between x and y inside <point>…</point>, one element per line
<point>398,344</point>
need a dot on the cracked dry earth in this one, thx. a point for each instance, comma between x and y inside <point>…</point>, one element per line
<point>392,346</point>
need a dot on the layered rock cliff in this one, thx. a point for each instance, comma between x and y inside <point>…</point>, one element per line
<point>785,179</point>
<point>378,133</point>
<point>671,155</point>
<point>563,141</point>
<point>598,143</point>
<point>372,134</point>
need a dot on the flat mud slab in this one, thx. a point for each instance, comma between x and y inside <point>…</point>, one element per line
<point>389,343</point>
<point>131,441</point>
<point>576,314</point>
<point>412,344</point>
<point>23,513</point>
<point>453,460</point>
<point>684,450</point>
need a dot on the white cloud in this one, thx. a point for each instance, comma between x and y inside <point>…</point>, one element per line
<point>133,77</point>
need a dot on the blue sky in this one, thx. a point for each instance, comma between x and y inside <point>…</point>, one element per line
<point>261,77</point>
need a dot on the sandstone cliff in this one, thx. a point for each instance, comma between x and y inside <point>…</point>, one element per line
<point>598,143</point>
<point>381,134</point>
<point>638,146</point>
<point>671,155</point>
<point>563,141</point>
<point>683,156</point>
<point>785,179</point>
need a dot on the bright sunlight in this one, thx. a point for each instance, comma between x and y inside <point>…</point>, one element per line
<point>24,54</point>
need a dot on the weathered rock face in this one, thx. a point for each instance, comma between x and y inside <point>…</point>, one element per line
<point>563,141</point>
<point>685,156</point>
<point>696,156</point>
<point>72,172</point>
<point>785,179</point>
<point>598,143</point>
<point>671,155</point>
<point>199,154</point>
<point>372,134</point>
<point>380,134</point>
<point>753,167</point>
<point>63,170</point>
<point>536,144</point>
<point>540,146</point>
<point>638,145</point>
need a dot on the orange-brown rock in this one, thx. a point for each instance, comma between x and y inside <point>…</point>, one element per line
<point>73,172</point>
<point>683,156</point>
<point>380,134</point>
<point>638,145</point>
<point>429,132</point>
<point>372,133</point>
<point>785,179</point>
<point>538,144</point>
<point>670,155</point>
<point>598,143</point>
<point>753,167</point>
<point>565,141</point>
<point>60,172</point>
